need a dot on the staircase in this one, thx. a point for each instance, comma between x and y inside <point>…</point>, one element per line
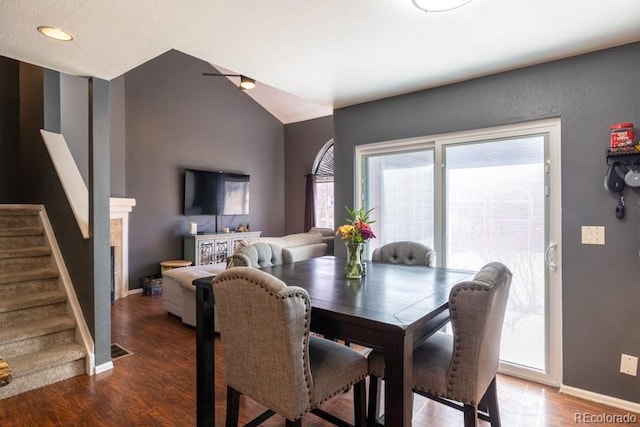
<point>37,335</point>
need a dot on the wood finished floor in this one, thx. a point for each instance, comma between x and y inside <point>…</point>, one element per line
<point>155,386</point>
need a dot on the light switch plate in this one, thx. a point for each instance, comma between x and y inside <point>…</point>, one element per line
<point>629,365</point>
<point>592,235</point>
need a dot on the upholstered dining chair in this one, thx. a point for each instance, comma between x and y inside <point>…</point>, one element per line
<point>405,252</point>
<point>270,356</point>
<point>256,255</point>
<point>459,370</point>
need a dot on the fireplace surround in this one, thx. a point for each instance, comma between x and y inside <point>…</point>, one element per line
<point>119,225</point>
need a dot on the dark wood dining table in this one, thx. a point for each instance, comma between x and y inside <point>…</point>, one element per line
<point>391,309</point>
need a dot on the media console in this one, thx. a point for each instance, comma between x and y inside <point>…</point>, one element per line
<point>203,249</point>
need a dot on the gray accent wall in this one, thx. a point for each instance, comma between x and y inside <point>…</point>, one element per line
<point>98,172</point>
<point>74,119</point>
<point>9,129</point>
<point>303,141</point>
<point>176,119</point>
<point>600,284</point>
<point>118,151</point>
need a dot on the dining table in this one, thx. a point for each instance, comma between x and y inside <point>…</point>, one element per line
<point>392,309</point>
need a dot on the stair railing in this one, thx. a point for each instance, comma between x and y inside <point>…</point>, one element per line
<point>83,335</point>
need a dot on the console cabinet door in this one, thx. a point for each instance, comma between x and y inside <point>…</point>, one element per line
<point>221,247</point>
<point>204,249</point>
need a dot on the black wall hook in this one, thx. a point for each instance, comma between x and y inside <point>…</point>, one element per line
<point>620,207</point>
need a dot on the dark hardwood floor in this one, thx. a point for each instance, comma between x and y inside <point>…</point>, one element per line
<point>155,386</point>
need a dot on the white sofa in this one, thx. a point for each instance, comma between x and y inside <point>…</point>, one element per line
<point>328,237</point>
<point>179,294</point>
<point>299,246</point>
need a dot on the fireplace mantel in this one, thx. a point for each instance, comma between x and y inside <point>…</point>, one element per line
<point>119,222</point>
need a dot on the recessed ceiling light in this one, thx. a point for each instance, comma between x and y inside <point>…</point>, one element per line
<point>55,33</point>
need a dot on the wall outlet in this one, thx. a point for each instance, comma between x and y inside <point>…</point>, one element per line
<point>629,365</point>
<point>592,235</point>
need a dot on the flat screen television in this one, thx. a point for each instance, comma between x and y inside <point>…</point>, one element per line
<point>215,193</point>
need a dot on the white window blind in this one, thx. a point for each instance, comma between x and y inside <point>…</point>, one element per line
<point>400,188</point>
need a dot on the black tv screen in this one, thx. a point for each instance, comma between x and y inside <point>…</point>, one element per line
<point>215,193</point>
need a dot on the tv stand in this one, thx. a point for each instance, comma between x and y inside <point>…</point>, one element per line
<point>203,249</point>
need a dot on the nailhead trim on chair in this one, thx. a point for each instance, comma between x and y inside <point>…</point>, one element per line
<point>307,303</point>
<point>455,360</point>
<point>457,348</point>
<point>305,354</point>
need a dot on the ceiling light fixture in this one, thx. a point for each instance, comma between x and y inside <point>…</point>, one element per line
<point>439,5</point>
<point>55,33</point>
<point>246,83</point>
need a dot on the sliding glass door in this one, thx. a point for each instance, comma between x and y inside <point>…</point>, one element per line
<point>475,198</point>
<point>495,210</point>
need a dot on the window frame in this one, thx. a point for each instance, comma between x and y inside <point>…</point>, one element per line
<point>321,179</point>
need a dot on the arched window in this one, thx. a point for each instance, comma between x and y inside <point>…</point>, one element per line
<point>323,171</point>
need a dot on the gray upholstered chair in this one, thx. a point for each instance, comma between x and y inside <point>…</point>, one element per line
<point>269,354</point>
<point>404,252</point>
<point>257,255</point>
<point>460,369</point>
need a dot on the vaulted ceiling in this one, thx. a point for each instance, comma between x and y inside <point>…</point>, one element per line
<point>312,56</point>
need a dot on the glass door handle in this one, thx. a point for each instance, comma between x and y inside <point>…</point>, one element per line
<point>550,256</point>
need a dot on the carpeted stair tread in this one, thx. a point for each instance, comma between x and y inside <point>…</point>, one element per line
<point>38,299</point>
<point>34,251</point>
<point>21,231</point>
<point>37,328</point>
<point>25,276</point>
<point>19,212</point>
<point>34,362</point>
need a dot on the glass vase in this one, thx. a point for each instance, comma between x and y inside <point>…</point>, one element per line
<point>363,264</point>
<point>353,269</point>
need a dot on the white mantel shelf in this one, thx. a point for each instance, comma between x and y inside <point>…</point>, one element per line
<point>121,205</point>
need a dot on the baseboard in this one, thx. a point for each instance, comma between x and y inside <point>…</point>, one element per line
<point>82,334</point>
<point>601,398</point>
<point>103,368</point>
<point>132,292</point>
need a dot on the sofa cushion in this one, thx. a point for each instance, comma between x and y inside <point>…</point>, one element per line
<point>326,232</point>
<point>186,275</point>
<point>303,252</point>
<point>291,240</point>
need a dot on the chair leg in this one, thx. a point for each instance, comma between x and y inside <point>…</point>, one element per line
<point>372,413</point>
<point>470,415</point>
<point>492,404</point>
<point>233,407</point>
<point>360,404</point>
<point>482,405</point>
